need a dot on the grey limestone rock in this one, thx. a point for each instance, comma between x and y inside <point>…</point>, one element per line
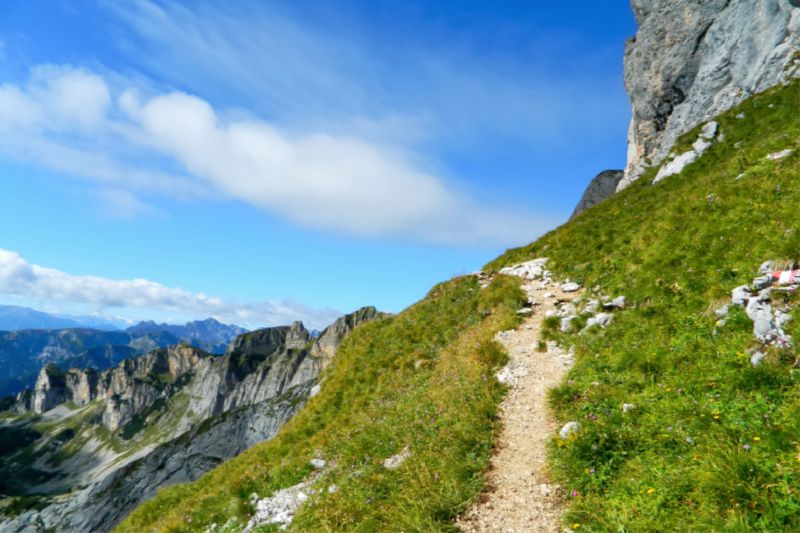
<point>691,61</point>
<point>740,295</point>
<point>570,287</point>
<point>616,303</point>
<point>570,428</point>
<point>602,186</point>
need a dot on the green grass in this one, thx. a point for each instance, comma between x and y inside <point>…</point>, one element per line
<point>421,379</point>
<point>676,250</point>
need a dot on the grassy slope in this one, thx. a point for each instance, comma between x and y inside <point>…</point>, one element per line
<point>421,379</point>
<point>676,249</point>
<point>418,379</point>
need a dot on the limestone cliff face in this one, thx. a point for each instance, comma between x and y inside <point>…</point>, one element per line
<point>694,59</point>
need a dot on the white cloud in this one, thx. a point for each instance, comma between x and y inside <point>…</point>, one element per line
<point>65,119</point>
<point>20,279</point>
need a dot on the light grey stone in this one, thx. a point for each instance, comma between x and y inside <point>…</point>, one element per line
<point>723,311</point>
<point>570,428</point>
<point>529,270</point>
<point>318,463</point>
<point>600,319</point>
<point>627,407</point>
<point>762,282</point>
<point>756,358</point>
<point>524,311</point>
<point>566,323</point>
<point>616,303</point>
<point>709,130</point>
<point>740,295</point>
<point>570,287</point>
<point>777,156</point>
<point>766,268</point>
<point>394,462</point>
<point>600,188</point>
<point>676,166</point>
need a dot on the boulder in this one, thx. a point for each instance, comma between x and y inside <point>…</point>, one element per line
<point>616,303</point>
<point>740,295</point>
<point>626,407</point>
<point>570,287</point>
<point>600,319</point>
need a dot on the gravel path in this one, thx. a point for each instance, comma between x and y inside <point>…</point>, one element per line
<point>520,498</point>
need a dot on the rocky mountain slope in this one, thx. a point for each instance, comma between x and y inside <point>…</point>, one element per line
<point>162,418</point>
<point>691,61</point>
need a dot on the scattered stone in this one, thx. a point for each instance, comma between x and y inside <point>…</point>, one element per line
<point>766,268</point>
<point>740,295</point>
<point>316,389</point>
<point>280,508</point>
<point>618,303</point>
<point>676,166</point>
<point>569,429</point>
<point>762,282</point>
<point>723,311</point>
<point>566,322</point>
<point>628,407</point>
<point>756,358</point>
<point>333,488</point>
<point>779,155</point>
<point>548,295</point>
<point>529,270</point>
<point>570,287</point>
<point>709,130</point>
<point>600,319</point>
<point>318,463</point>
<point>394,462</point>
<point>525,311</point>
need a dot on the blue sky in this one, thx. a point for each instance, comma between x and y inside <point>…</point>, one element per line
<point>276,161</point>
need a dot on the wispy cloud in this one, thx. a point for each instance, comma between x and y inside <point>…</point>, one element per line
<point>24,280</point>
<point>69,120</point>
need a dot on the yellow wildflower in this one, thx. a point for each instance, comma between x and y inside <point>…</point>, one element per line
<point>756,438</point>
<point>650,491</point>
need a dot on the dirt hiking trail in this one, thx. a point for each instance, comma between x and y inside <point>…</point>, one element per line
<point>520,498</point>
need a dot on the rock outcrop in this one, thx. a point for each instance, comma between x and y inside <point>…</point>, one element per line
<point>691,61</point>
<point>603,186</point>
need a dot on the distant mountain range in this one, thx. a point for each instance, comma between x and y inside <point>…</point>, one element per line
<point>209,330</point>
<point>30,339</point>
<point>15,318</point>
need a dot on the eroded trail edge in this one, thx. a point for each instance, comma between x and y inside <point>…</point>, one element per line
<point>520,498</point>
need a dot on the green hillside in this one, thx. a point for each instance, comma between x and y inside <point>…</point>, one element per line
<point>423,379</point>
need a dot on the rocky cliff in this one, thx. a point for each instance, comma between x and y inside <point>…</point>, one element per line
<point>601,187</point>
<point>691,60</point>
<point>137,416</point>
